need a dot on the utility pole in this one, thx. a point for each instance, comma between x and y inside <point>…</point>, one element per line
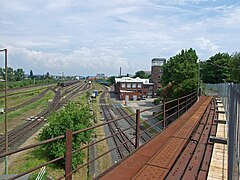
<point>6,111</point>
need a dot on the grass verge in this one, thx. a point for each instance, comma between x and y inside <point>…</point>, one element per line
<point>20,98</point>
<point>17,117</point>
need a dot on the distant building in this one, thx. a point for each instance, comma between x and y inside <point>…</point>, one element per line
<point>91,78</point>
<point>128,88</point>
<point>100,76</point>
<point>156,72</point>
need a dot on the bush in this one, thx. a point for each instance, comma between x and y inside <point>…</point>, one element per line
<point>157,101</point>
<point>75,117</point>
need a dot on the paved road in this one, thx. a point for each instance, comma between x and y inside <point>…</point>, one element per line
<point>146,104</point>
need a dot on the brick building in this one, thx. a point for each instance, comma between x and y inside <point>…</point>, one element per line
<point>156,73</point>
<point>128,88</point>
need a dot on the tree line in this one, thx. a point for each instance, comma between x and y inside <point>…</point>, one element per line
<point>17,78</point>
<point>180,73</point>
<point>19,75</point>
<point>221,68</point>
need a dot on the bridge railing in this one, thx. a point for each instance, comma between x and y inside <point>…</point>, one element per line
<point>167,112</point>
<point>230,95</point>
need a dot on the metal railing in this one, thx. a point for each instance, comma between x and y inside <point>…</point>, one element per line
<point>230,95</point>
<point>168,111</point>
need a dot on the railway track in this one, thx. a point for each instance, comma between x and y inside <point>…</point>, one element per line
<point>181,151</point>
<point>126,127</point>
<point>121,137</point>
<point>145,136</point>
<point>39,96</point>
<point>16,136</point>
<point>24,92</point>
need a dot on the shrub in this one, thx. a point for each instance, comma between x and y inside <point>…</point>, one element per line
<point>74,116</point>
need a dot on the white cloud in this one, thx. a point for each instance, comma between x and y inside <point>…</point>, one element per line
<point>206,44</point>
<point>80,60</point>
<point>85,37</point>
<point>193,1</point>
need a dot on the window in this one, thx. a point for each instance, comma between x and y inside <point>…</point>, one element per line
<point>123,85</point>
<point>139,85</point>
<point>128,85</point>
<point>150,87</point>
<point>134,85</point>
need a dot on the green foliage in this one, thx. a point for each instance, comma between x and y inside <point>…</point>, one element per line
<point>19,75</point>
<point>235,67</point>
<point>156,101</point>
<point>111,80</point>
<point>74,116</point>
<point>10,73</point>
<point>180,74</point>
<point>28,82</point>
<point>142,74</point>
<point>31,74</point>
<point>216,69</point>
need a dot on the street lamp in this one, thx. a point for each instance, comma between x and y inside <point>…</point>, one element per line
<point>6,111</point>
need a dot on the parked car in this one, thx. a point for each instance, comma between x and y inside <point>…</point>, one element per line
<point>143,97</point>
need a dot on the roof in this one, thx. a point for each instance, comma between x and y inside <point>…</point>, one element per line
<point>132,80</point>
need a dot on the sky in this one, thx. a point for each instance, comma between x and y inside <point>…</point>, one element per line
<point>85,37</point>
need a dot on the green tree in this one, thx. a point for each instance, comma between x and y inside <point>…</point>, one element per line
<point>74,116</point>
<point>2,73</point>
<point>111,80</point>
<point>19,74</point>
<point>31,74</point>
<point>216,69</point>
<point>142,74</point>
<point>11,75</point>
<point>235,67</point>
<point>47,76</point>
<point>180,74</point>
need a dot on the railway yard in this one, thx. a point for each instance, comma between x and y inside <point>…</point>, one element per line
<point>126,127</point>
<point>182,150</point>
<point>23,125</point>
<point>26,126</point>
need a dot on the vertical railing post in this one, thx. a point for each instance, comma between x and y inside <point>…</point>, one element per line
<point>137,128</point>
<point>68,155</point>
<point>178,107</point>
<point>191,99</point>
<point>186,103</point>
<point>164,115</point>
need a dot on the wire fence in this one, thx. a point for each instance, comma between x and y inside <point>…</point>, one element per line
<point>230,95</point>
<point>168,112</point>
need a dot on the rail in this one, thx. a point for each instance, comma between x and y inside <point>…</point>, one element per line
<point>230,95</point>
<point>167,112</point>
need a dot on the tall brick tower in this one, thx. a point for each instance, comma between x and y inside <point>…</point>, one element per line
<point>156,72</point>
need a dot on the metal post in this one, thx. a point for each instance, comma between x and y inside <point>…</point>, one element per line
<point>186,103</point>
<point>232,164</point>
<point>198,88</point>
<point>137,128</point>
<point>164,115</point>
<point>178,107</point>
<point>68,155</point>
<point>191,99</point>
<point>6,110</point>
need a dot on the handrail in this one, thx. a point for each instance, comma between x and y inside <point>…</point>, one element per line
<point>183,103</point>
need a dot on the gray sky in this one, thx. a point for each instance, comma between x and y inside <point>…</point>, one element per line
<point>85,37</point>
